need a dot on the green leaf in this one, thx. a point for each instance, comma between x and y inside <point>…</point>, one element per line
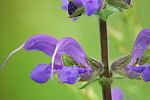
<point>107,11</point>
<point>145,60</point>
<point>97,67</point>
<point>120,63</point>
<point>118,3</point>
<point>94,64</point>
<point>68,61</point>
<point>90,82</point>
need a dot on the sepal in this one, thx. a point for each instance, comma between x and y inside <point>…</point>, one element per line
<point>119,3</point>
<point>74,10</point>
<point>120,67</point>
<point>107,11</point>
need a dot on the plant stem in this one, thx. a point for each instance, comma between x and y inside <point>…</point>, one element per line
<point>106,84</point>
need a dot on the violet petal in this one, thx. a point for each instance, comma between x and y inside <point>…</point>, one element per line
<point>78,2</point>
<point>41,73</point>
<point>146,73</point>
<point>41,42</point>
<point>138,69</point>
<point>131,73</point>
<point>68,75</point>
<point>87,75</point>
<point>141,43</point>
<point>91,6</point>
<point>64,4</point>
<point>117,94</point>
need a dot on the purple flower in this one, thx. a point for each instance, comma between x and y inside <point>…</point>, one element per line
<point>54,48</point>
<point>117,94</point>
<point>141,43</point>
<point>90,6</point>
<point>64,4</point>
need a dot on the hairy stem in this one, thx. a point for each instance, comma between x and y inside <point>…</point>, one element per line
<point>106,84</point>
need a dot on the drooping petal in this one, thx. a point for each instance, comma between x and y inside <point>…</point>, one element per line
<point>41,73</point>
<point>64,4</point>
<point>141,43</point>
<point>117,94</point>
<point>41,42</point>
<point>68,75</point>
<point>91,6</point>
<point>146,73</point>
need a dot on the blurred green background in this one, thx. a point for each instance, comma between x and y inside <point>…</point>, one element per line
<point>20,19</point>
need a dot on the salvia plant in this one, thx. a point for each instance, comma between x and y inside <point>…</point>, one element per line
<point>72,64</point>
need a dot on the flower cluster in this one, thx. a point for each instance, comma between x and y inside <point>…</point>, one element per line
<point>76,8</point>
<point>90,6</point>
<point>55,49</point>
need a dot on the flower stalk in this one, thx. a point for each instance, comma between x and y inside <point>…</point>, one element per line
<point>106,84</point>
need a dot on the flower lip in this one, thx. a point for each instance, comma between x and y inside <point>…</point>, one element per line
<point>41,73</point>
<point>68,75</point>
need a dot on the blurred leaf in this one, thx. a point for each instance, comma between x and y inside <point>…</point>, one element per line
<point>90,82</point>
<point>144,60</point>
<point>118,3</point>
<point>107,11</point>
